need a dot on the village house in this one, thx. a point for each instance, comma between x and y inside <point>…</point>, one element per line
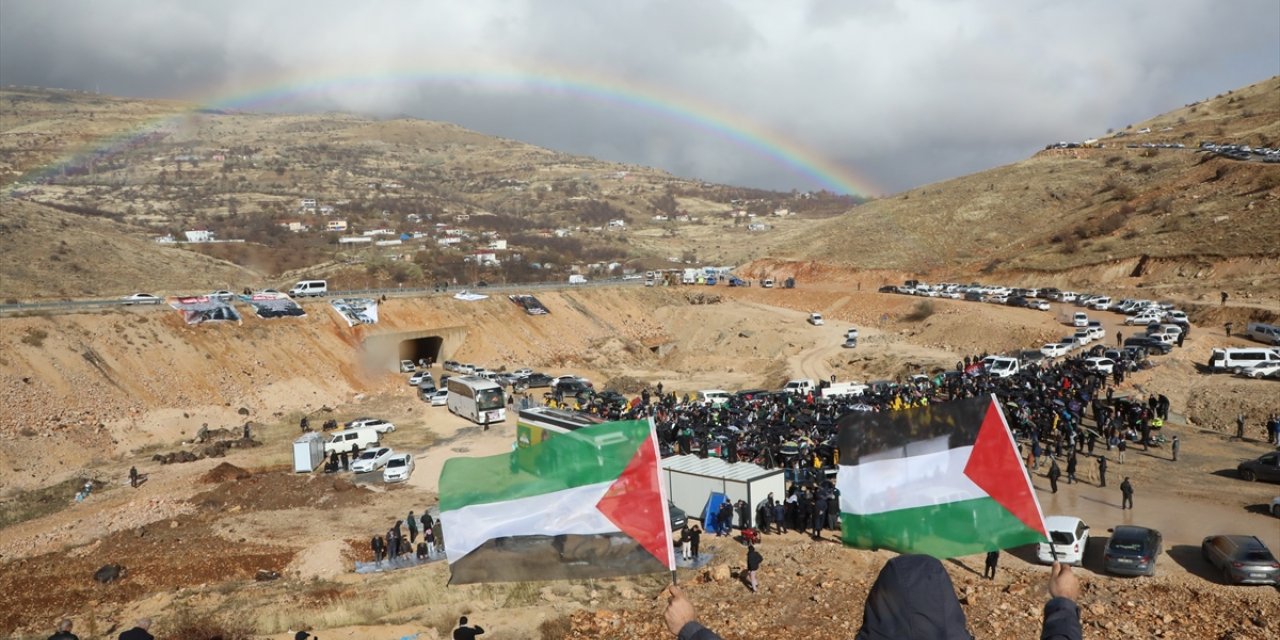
<point>618,224</point>
<point>308,204</point>
<point>498,245</point>
<point>336,225</point>
<point>483,258</point>
<point>295,226</point>
<point>199,236</point>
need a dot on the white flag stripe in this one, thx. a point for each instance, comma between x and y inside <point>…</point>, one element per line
<point>905,483</point>
<point>572,511</point>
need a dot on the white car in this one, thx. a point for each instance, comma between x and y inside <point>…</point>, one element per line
<point>1040,305</point>
<point>398,468</point>
<point>815,319</point>
<point>222,295</point>
<point>1143,319</point>
<point>520,373</point>
<point>1100,365</point>
<point>440,398</point>
<point>1082,337</point>
<point>419,377</point>
<point>465,369</point>
<point>1275,506</point>
<point>140,298</point>
<point>407,366</point>
<point>1260,370</point>
<point>372,460</point>
<point>1175,316</point>
<point>1055,350</point>
<point>1096,332</point>
<point>378,424</point>
<point>1070,536</point>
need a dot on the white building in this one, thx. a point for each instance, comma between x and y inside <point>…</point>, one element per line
<point>497,245</point>
<point>199,235</point>
<point>308,203</point>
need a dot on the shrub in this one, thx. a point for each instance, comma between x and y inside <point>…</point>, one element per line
<point>922,310</point>
<point>35,337</point>
<point>555,628</point>
<point>188,626</point>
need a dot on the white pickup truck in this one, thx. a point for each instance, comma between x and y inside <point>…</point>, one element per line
<point>1001,367</point>
<point>844,389</point>
<point>799,387</point>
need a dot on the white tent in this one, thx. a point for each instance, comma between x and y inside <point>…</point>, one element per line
<point>691,480</point>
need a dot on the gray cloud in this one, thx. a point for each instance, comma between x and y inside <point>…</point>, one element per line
<point>902,92</point>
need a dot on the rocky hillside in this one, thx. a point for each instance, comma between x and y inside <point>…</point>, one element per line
<point>1082,207</point>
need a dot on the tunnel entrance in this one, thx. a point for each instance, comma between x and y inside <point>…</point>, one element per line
<point>423,348</point>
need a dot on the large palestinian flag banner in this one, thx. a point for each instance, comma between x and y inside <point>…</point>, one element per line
<point>583,504</point>
<point>943,480</point>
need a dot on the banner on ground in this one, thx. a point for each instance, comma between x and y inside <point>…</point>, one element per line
<point>943,480</point>
<point>584,504</point>
<point>356,310</point>
<point>198,309</point>
<point>273,305</point>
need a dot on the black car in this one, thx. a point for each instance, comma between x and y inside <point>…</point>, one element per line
<point>571,387</point>
<point>1152,345</point>
<point>1265,468</point>
<point>678,517</point>
<point>888,288</point>
<point>1018,301</point>
<point>1132,551</point>
<point>610,397</point>
<point>751,394</point>
<point>537,380</point>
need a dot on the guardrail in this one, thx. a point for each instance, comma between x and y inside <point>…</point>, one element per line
<point>70,306</point>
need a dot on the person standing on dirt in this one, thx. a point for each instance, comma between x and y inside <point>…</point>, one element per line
<point>1122,445</point>
<point>1119,339</point>
<point>695,539</point>
<point>1126,494</point>
<point>1102,471</point>
<point>246,431</point>
<point>64,631</point>
<point>1072,463</point>
<point>1228,327</point>
<point>464,632</point>
<point>412,521</point>
<point>139,632</point>
<point>133,477</point>
<point>438,534</point>
<point>993,560</point>
<point>753,565</point>
<point>1224,298</point>
<point>377,546</point>
<point>1174,446</point>
<point>1054,474</point>
<point>1240,426</point>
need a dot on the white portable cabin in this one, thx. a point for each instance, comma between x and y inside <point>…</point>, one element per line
<point>308,452</point>
<point>691,480</point>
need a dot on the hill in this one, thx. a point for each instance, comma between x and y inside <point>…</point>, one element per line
<point>291,185</point>
<point>1076,209</point>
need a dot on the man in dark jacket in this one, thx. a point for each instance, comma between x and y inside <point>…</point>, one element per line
<point>1126,494</point>
<point>1054,474</point>
<point>464,632</point>
<point>1102,471</point>
<point>913,599</point>
<point>64,631</point>
<point>139,632</point>
<point>753,565</point>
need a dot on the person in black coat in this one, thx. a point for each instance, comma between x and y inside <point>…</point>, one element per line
<point>139,632</point>
<point>695,539</point>
<point>64,631</point>
<point>464,632</point>
<point>913,599</point>
<point>1054,474</point>
<point>1071,468</point>
<point>1102,471</point>
<point>753,565</point>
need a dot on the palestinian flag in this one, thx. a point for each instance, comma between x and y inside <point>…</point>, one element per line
<point>583,504</point>
<point>943,480</point>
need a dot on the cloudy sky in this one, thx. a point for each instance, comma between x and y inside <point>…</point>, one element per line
<point>869,95</point>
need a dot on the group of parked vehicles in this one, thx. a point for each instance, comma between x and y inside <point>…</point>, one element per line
<point>365,435</point>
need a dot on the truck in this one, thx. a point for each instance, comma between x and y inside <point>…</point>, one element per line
<point>799,387</point>
<point>690,276</point>
<point>1001,367</point>
<point>577,279</point>
<point>843,389</point>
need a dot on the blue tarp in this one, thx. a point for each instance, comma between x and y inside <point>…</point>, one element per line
<point>710,523</point>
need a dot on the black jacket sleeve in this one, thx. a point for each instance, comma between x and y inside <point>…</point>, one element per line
<point>1061,620</point>
<point>695,631</point>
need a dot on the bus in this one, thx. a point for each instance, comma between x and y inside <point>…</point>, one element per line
<point>477,399</point>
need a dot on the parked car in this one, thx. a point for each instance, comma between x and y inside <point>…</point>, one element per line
<point>1263,370</point>
<point>1142,319</point>
<point>1041,305</point>
<point>372,460</point>
<point>419,377</point>
<point>398,468</point>
<point>1100,365</point>
<point>537,380</point>
<point>440,398</point>
<point>221,295</point>
<point>407,366</point>
<point>678,517</point>
<point>140,298</point>
<point>450,365</point>
<point>1055,349</point>
<point>1070,536</point>
<point>1275,506</point>
<point>1241,559</point>
<point>815,319</point>
<point>520,373</point>
<point>378,424</point>
<point>1132,551</point>
<point>426,391</point>
<point>1265,468</point>
<point>1152,345</point>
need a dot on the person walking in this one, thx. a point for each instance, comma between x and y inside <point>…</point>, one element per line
<point>993,559</point>
<point>140,631</point>
<point>1174,446</point>
<point>438,531</point>
<point>1102,471</point>
<point>1240,426</point>
<point>1054,474</point>
<point>1224,298</point>
<point>464,632</point>
<point>1071,468</point>
<point>686,543</point>
<point>376,545</point>
<point>695,539</point>
<point>64,631</point>
<point>1122,446</point>
<point>412,521</point>
<point>1126,494</point>
<point>133,477</point>
<point>1119,339</point>
<point>753,565</point>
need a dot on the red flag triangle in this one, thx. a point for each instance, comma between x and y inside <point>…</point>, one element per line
<point>995,467</point>
<point>634,503</point>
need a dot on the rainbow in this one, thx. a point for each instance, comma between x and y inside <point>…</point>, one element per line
<point>687,110</point>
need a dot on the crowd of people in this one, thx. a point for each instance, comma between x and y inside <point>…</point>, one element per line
<point>395,544</point>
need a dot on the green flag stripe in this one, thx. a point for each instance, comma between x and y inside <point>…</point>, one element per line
<point>943,531</point>
<point>587,456</point>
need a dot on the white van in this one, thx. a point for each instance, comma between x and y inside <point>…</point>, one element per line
<point>1080,319</point>
<point>1264,333</point>
<point>799,387</point>
<point>713,397</point>
<point>309,288</point>
<point>1002,367</point>
<point>341,441</point>
<point>1232,359</point>
<point>767,283</point>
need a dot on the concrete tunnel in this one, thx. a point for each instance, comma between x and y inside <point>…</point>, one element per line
<point>386,350</point>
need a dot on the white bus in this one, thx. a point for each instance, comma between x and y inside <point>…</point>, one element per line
<point>477,399</point>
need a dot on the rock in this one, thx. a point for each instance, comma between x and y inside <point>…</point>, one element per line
<point>264,575</point>
<point>109,573</point>
<point>719,572</point>
<point>342,484</point>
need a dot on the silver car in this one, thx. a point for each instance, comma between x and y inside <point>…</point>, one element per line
<point>1241,559</point>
